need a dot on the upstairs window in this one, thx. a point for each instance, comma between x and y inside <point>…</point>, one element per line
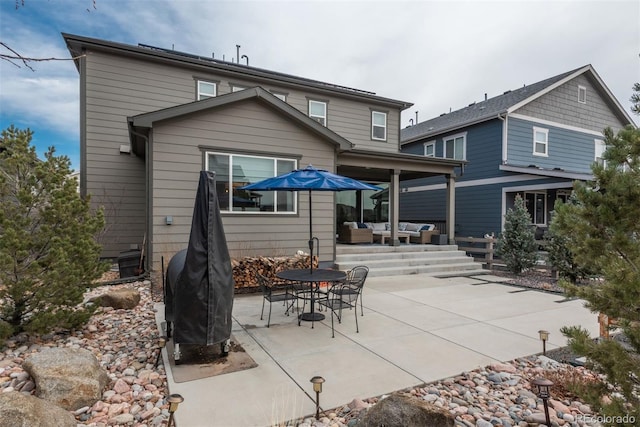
<point>540,142</point>
<point>235,88</point>
<point>430,149</point>
<point>318,111</point>
<point>279,95</point>
<point>582,94</point>
<point>206,89</point>
<point>455,147</point>
<point>378,125</point>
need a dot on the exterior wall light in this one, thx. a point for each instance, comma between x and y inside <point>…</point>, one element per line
<point>174,400</point>
<point>541,387</point>
<point>317,387</point>
<point>544,336</point>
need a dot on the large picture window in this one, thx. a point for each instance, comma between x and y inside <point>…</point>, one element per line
<point>235,170</point>
<point>454,147</point>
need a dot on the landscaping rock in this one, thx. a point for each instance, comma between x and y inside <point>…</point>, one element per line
<point>124,298</point>
<point>402,411</point>
<point>21,410</point>
<point>71,378</point>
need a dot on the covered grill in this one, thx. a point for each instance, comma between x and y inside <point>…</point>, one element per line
<point>199,283</point>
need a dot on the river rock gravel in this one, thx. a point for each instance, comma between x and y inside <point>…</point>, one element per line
<point>125,344</point>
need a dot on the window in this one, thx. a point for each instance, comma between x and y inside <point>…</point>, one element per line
<point>430,149</point>
<point>537,206</point>
<point>234,171</point>
<point>206,89</point>
<point>378,125</point>
<point>600,148</point>
<point>454,147</point>
<point>582,94</point>
<point>282,96</point>
<point>540,141</point>
<point>235,88</point>
<point>318,111</point>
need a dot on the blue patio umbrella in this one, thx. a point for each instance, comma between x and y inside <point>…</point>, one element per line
<point>310,179</point>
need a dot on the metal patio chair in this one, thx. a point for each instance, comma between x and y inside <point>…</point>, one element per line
<point>346,295</point>
<point>275,293</point>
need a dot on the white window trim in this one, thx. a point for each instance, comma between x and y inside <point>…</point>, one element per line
<point>546,143</point>
<point>373,113</point>
<point>582,94</point>
<point>230,179</point>
<point>280,95</point>
<point>544,211</point>
<point>215,90</point>
<point>430,144</point>
<point>462,135</point>
<point>600,146</point>
<point>324,118</point>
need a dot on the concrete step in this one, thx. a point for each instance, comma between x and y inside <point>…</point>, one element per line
<point>391,261</point>
<point>383,260</point>
<point>404,256</point>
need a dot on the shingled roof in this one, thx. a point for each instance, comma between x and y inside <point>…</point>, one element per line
<point>481,111</point>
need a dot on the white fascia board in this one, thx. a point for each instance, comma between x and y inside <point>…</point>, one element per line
<point>547,172</point>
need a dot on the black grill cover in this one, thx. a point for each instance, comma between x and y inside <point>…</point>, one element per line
<point>199,284</point>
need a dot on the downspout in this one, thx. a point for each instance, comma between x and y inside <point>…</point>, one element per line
<point>505,124</point>
<point>503,208</point>
<point>148,197</point>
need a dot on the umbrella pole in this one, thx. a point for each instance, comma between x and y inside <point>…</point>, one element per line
<point>310,237</point>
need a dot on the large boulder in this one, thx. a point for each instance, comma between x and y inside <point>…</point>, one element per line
<point>71,378</point>
<point>22,410</point>
<point>124,298</point>
<point>403,411</point>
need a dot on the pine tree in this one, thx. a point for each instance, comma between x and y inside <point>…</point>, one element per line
<point>48,254</point>
<point>560,256</point>
<point>517,244</point>
<point>604,225</point>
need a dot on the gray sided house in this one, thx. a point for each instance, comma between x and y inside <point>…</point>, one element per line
<point>152,118</point>
<point>533,141</point>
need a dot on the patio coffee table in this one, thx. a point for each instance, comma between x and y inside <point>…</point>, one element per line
<point>401,235</point>
<point>313,278</point>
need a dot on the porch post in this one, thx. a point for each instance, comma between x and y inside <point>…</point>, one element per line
<point>394,206</point>
<point>451,208</point>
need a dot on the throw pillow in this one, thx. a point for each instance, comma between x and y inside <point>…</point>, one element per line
<point>427,227</point>
<point>362,225</point>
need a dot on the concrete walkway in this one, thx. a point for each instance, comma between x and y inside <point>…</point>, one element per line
<point>416,329</point>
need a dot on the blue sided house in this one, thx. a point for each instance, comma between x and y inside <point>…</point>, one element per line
<point>533,141</point>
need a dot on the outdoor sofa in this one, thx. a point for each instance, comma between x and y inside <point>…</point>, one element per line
<point>359,232</point>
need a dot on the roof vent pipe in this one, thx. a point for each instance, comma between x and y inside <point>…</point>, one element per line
<point>485,96</point>
<point>416,117</point>
<point>213,55</point>
<point>411,122</point>
<point>238,53</point>
<point>247,58</point>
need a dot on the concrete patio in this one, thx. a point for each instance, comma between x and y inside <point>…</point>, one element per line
<point>415,329</point>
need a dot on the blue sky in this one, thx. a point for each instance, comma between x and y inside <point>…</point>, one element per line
<point>438,55</point>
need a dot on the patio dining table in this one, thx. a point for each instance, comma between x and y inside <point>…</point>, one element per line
<point>313,278</point>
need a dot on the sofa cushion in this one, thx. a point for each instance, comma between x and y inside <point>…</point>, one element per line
<point>402,226</point>
<point>351,224</point>
<point>378,226</point>
<point>413,227</point>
